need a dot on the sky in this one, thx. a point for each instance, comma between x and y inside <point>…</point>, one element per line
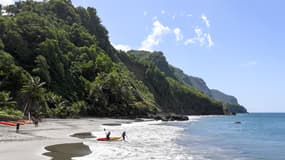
<point>236,46</point>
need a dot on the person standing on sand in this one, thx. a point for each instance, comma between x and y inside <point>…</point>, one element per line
<point>107,134</point>
<point>124,135</point>
<point>36,122</point>
<point>17,127</point>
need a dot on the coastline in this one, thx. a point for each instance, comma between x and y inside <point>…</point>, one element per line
<point>31,141</point>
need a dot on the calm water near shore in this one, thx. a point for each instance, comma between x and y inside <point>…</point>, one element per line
<point>257,136</point>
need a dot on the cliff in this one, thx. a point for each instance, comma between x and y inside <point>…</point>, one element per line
<point>159,60</point>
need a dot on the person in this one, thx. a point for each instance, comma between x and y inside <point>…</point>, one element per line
<point>108,133</point>
<point>36,122</point>
<point>17,127</point>
<point>124,135</point>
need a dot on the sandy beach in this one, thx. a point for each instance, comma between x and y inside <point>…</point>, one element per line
<point>30,142</point>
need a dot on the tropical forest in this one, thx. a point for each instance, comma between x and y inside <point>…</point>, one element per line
<point>56,60</point>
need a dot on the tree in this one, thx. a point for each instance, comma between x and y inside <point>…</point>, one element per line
<point>33,93</point>
<point>42,68</point>
<point>103,63</point>
<point>11,9</point>
<point>1,44</point>
<point>7,107</point>
<point>64,10</point>
<point>6,100</point>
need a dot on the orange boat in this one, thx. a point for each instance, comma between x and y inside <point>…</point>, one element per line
<point>8,123</point>
<point>21,123</point>
<point>110,139</point>
<point>25,121</point>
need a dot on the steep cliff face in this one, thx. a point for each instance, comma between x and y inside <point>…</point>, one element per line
<point>220,96</point>
<point>230,102</point>
<point>159,60</point>
<point>170,94</point>
<point>195,82</point>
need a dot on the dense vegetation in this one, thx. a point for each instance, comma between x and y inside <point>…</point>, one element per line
<point>157,59</point>
<point>56,60</point>
<point>171,94</point>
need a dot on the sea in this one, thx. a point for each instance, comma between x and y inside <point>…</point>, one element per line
<point>253,136</point>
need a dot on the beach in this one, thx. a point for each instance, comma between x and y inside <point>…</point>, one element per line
<point>30,142</point>
<point>199,138</point>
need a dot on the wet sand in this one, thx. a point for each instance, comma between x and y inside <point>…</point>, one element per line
<point>83,135</point>
<point>67,151</point>
<point>30,142</point>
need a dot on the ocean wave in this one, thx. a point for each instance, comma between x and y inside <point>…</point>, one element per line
<point>145,140</point>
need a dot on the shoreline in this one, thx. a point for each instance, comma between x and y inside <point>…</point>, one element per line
<point>31,141</point>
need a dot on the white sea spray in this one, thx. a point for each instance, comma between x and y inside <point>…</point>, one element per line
<point>145,140</point>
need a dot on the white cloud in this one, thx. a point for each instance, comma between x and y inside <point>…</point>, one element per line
<point>249,64</point>
<point>122,47</point>
<point>154,38</point>
<point>190,41</point>
<point>9,2</point>
<point>210,41</point>
<point>205,20</point>
<point>198,38</point>
<point>178,34</point>
<point>204,39</point>
<point>162,11</point>
<point>145,13</point>
<point>6,2</point>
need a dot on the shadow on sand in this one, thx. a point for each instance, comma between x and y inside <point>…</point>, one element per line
<point>67,151</point>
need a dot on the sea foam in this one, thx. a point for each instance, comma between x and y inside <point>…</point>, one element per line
<point>145,140</point>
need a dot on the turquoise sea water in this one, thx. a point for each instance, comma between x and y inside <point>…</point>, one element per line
<point>259,136</point>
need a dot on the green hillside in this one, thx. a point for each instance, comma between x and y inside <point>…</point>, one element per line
<point>230,103</point>
<point>56,60</point>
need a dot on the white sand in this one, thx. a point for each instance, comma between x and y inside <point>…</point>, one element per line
<point>29,143</point>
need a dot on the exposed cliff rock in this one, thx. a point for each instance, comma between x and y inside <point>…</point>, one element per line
<point>195,82</point>
<point>220,96</point>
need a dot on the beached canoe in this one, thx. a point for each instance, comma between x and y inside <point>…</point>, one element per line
<point>8,123</point>
<point>25,121</point>
<point>111,139</point>
<point>21,123</point>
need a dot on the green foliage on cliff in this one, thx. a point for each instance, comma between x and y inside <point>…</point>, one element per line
<point>56,60</point>
<point>158,59</point>
<point>171,94</point>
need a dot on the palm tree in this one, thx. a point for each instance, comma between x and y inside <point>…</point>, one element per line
<point>33,92</point>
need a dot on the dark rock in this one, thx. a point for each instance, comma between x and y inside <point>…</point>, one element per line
<point>169,117</point>
<point>138,120</point>
<point>112,124</point>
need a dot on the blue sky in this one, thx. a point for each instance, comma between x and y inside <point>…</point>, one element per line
<point>243,56</point>
<point>236,46</point>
